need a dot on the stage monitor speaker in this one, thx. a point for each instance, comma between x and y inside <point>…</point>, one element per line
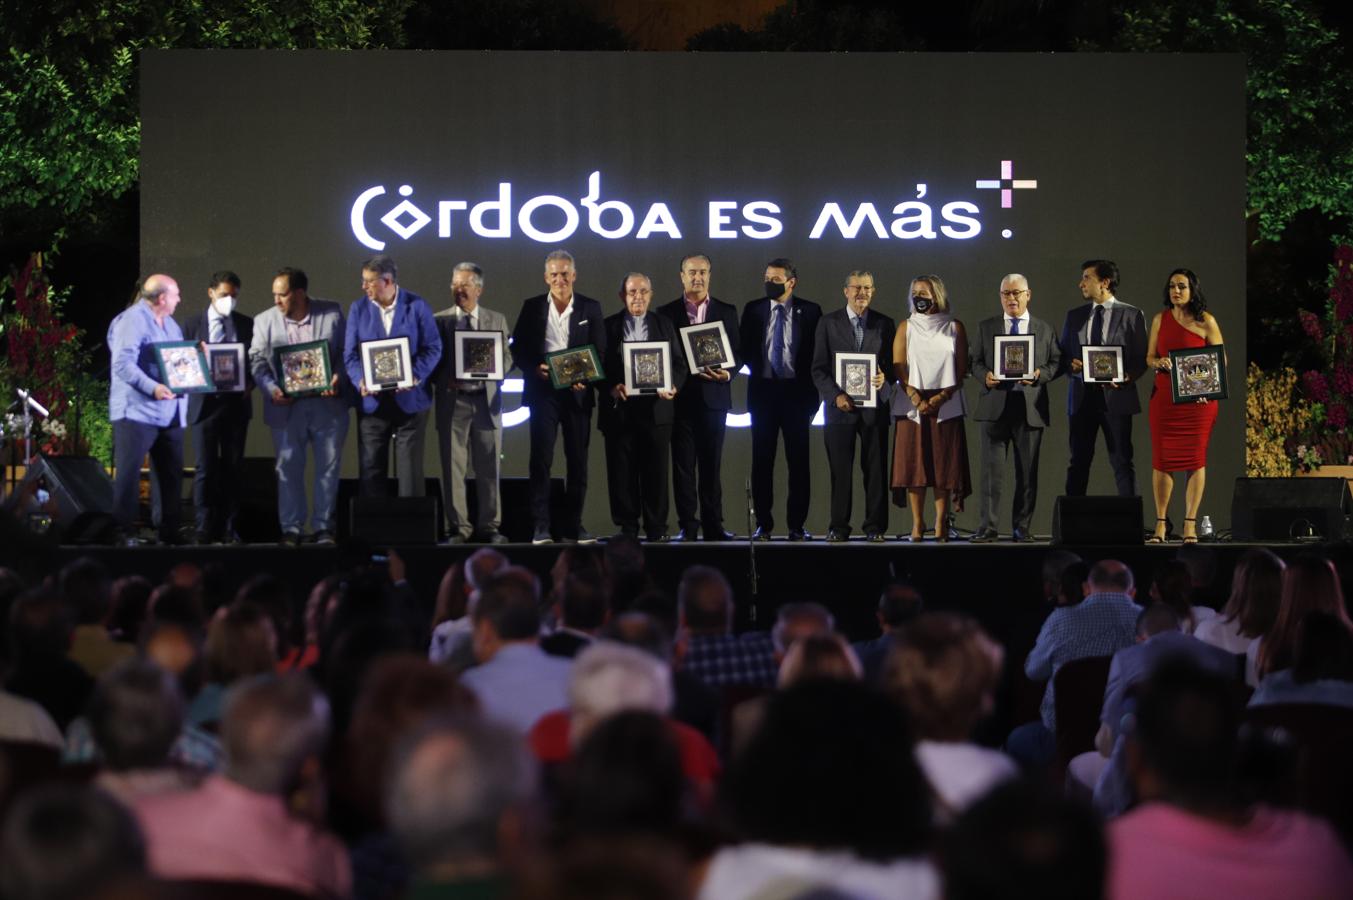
<point>1097,521</point>
<point>83,494</point>
<point>349,488</point>
<point>1290,509</point>
<point>394,521</point>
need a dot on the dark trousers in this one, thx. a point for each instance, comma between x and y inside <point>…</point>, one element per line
<point>779,407</point>
<point>374,433</point>
<point>1086,423</point>
<point>840,440</point>
<point>550,415</point>
<point>219,442</point>
<point>636,475</point>
<point>132,441</point>
<point>697,461</point>
<point>1010,432</point>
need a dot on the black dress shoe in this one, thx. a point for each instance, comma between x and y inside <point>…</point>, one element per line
<point>762,533</point>
<point>495,537</point>
<point>456,538</point>
<point>983,536</point>
<point>876,537</point>
<point>719,534</point>
<point>834,536</point>
<point>684,535</point>
<point>1022,537</point>
<point>800,534</point>
<point>290,539</point>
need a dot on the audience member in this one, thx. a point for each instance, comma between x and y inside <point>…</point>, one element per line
<point>712,653</point>
<point>39,669</point>
<point>1172,584</point>
<point>1322,666</point>
<point>130,600</point>
<point>693,701</point>
<point>247,824</point>
<point>1103,623</point>
<point>241,642</point>
<point>627,571</point>
<point>810,658</point>
<point>898,604</point>
<point>453,628</point>
<point>459,802</point>
<point>516,682</point>
<point>1191,836</point>
<point>1249,613</point>
<point>943,670</point>
<point>272,595</point>
<point>1201,561</point>
<point>580,609</point>
<point>87,591</point>
<point>1023,841</point>
<point>1310,584</point>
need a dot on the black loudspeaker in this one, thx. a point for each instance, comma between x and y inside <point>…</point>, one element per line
<point>1290,509</point>
<point>394,521</point>
<point>1097,521</point>
<point>348,495</point>
<point>83,494</point>
<point>257,520</point>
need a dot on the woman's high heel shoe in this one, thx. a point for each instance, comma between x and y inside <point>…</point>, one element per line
<point>1158,538</point>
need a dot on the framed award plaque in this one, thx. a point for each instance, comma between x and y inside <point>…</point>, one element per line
<point>387,364</point>
<point>855,376</point>
<point>1102,365</point>
<point>648,366</point>
<point>576,365</point>
<point>479,355</point>
<point>303,369</point>
<point>1014,357</point>
<point>183,367</point>
<point>225,363</point>
<point>707,346</point>
<point>1198,374</point>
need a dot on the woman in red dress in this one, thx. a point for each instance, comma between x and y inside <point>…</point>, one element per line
<point>1179,431</point>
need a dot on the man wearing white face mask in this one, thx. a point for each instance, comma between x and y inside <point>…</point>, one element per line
<point>219,421</point>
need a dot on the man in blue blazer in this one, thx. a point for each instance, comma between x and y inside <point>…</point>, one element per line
<point>318,421</point>
<point>778,338</point>
<point>557,320</point>
<point>855,328</point>
<point>1104,320</point>
<point>389,311</point>
<point>219,421</point>
<point>701,412</point>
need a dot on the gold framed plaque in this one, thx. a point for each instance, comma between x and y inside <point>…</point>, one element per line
<point>707,346</point>
<point>1014,357</point>
<point>648,366</point>
<point>303,369</point>
<point>576,365</point>
<point>387,364</point>
<point>855,376</point>
<point>1102,365</point>
<point>479,355</point>
<point>1198,373</point>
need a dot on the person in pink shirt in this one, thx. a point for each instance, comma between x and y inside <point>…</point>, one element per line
<point>1192,836</point>
<point>254,821</point>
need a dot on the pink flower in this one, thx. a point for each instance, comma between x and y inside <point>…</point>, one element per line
<point>1311,325</point>
<point>1315,387</point>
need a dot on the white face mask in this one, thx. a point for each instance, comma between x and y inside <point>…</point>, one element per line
<point>224,304</point>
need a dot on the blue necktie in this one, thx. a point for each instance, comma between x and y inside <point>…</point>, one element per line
<point>1014,326</point>
<point>859,332</point>
<point>1097,328</point>
<point>777,342</point>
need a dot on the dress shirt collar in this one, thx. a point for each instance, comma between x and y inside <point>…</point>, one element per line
<point>695,312</point>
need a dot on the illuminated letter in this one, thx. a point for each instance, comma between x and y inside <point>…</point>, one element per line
<point>548,237</point>
<point>752,212</point>
<point>595,209</point>
<point>358,215</point>
<point>921,216</point>
<point>951,211</point>
<point>502,206</point>
<point>659,218</point>
<point>444,215</point>
<point>718,219</point>
<point>832,212</point>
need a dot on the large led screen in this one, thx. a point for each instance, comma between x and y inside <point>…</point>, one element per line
<point>969,166</point>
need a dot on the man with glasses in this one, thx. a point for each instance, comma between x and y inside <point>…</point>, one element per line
<point>1012,411</point>
<point>855,328</point>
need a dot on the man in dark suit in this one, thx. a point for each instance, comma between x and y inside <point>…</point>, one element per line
<point>638,428</point>
<point>855,329</point>
<point>1108,321</point>
<point>219,421</point>
<point>778,338</point>
<point>390,311</point>
<point>701,413</point>
<point>557,320</point>
<point>1011,413</point>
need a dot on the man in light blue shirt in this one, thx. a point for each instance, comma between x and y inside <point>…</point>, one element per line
<point>147,416</point>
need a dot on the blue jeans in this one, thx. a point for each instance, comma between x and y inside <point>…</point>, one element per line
<point>321,423</point>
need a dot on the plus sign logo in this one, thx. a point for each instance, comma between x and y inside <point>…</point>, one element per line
<point>1007,184</point>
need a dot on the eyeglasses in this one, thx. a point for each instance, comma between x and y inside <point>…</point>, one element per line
<point>1013,295</point>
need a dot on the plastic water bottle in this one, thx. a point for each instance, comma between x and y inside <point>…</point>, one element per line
<point>1205,529</point>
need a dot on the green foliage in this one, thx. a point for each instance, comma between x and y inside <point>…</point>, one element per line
<point>1299,90</point>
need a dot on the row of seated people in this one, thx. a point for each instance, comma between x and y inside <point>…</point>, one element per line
<point>367,755</point>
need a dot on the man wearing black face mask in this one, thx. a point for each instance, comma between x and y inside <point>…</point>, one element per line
<point>219,421</point>
<point>779,333</point>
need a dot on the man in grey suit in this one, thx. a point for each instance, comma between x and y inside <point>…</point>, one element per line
<point>469,415</point>
<point>1012,414</point>
<point>319,420</point>
<point>855,329</point>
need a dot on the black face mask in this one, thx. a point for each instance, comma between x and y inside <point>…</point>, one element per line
<point>921,304</point>
<point>775,290</point>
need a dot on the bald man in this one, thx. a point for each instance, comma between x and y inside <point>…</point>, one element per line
<point>147,416</point>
